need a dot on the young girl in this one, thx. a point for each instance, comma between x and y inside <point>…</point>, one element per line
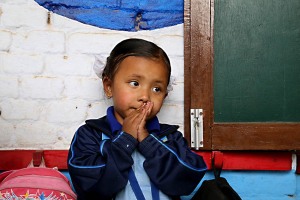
<point>128,154</point>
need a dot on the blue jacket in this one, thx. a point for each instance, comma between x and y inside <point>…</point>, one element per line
<point>99,161</point>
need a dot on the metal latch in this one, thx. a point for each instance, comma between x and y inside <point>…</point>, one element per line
<point>196,128</point>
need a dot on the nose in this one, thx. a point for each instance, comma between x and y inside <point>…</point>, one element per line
<point>144,96</point>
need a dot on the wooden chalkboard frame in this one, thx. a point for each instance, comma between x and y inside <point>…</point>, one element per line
<point>198,92</point>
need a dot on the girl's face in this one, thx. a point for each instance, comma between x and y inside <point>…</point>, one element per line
<point>138,80</point>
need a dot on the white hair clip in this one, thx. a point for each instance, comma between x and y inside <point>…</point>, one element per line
<point>171,83</point>
<point>99,65</point>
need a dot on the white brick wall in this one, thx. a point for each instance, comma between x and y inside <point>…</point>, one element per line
<point>5,41</point>
<point>8,87</point>
<point>47,84</point>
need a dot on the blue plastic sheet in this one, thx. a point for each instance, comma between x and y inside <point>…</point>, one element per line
<point>125,15</point>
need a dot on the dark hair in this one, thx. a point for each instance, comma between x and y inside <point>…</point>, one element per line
<point>134,47</point>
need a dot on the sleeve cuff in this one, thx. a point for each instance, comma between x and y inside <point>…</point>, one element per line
<point>126,142</point>
<point>148,146</point>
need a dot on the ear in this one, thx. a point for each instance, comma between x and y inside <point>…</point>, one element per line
<point>107,85</point>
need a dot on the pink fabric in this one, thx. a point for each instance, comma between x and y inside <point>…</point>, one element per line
<point>35,183</point>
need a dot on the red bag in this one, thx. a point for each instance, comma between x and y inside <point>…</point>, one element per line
<point>35,183</point>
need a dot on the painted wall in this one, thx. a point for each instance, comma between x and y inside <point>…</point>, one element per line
<point>263,185</point>
<point>48,87</point>
<point>47,83</point>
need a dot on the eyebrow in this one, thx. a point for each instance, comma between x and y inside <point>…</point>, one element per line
<point>135,75</point>
<point>140,76</point>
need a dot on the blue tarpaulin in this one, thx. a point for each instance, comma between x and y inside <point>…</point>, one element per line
<point>126,15</point>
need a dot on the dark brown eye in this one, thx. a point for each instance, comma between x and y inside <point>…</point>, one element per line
<point>134,83</point>
<point>156,89</point>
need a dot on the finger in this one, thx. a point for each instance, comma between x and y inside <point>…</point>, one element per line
<point>132,122</point>
<point>141,107</point>
<point>135,113</point>
<point>144,115</point>
<point>142,131</point>
<point>142,124</point>
<point>149,107</point>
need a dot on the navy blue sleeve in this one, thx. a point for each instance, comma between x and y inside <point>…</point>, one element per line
<point>99,168</point>
<point>171,165</point>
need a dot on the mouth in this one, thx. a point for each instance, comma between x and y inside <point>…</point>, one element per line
<point>139,107</point>
<point>134,109</point>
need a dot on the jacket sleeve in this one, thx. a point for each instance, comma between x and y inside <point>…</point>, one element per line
<point>171,165</point>
<point>99,168</point>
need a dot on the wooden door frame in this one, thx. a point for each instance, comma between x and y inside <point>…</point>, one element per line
<point>198,92</point>
<point>198,60</point>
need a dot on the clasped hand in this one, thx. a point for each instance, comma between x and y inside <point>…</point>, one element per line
<point>135,123</point>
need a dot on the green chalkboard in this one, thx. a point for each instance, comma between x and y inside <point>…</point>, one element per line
<point>257,61</point>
